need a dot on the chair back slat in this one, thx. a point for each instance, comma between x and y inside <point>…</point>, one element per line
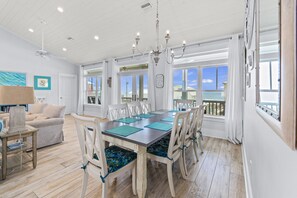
<point>193,124</point>
<point>134,108</point>
<point>118,111</point>
<point>91,142</point>
<point>184,105</point>
<point>200,116</point>
<point>180,126</point>
<point>146,107</point>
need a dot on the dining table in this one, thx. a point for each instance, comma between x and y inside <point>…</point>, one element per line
<point>139,141</point>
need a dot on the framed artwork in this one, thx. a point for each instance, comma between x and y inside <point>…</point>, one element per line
<point>159,80</point>
<point>42,83</point>
<point>12,78</point>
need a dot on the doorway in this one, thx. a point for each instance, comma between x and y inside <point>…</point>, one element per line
<point>68,92</point>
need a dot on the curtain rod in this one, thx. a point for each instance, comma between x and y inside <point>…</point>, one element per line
<point>173,48</point>
<point>208,41</point>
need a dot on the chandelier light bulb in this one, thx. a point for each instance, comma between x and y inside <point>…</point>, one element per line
<point>168,32</point>
<point>138,34</point>
<point>184,42</point>
<point>133,46</point>
<point>172,52</point>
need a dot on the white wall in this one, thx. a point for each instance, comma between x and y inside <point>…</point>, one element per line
<point>18,55</point>
<point>273,171</point>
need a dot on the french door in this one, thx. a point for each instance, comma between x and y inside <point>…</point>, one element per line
<point>133,87</point>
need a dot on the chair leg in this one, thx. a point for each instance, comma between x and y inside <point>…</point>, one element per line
<point>194,144</point>
<point>182,167</point>
<point>184,161</point>
<point>105,188</point>
<point>85,184</point>
<point>134,180</point>
<point>200,144</point>
<point>170,179</point>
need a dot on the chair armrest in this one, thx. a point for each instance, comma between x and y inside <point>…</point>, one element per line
<point>46,122</point>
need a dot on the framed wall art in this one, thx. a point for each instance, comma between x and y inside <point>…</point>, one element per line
<point>42,82</point>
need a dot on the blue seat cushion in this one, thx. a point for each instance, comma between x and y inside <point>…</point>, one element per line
<point>160,148</point>
<point>117,157</point>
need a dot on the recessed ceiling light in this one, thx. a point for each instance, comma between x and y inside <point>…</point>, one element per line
<point>30,30</point>
<point>96,37</point>
<point>64,49</point>
<point>60,9</point>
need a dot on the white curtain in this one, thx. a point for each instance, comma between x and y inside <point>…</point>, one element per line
<point>104,99</point>
<point>151,81</point>
<point>115,83</point>
<point>80,106</point>
<point>234,103</point>
<point>168,86</point>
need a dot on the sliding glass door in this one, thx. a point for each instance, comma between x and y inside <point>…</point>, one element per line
<point>134,87</point>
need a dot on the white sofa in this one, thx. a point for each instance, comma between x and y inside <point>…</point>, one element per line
<point>49,119</point>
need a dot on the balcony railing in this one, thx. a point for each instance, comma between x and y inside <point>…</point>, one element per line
<point>214,108</point>
<point>129,99</point>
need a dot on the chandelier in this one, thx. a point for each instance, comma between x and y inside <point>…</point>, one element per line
<point>155,53</point>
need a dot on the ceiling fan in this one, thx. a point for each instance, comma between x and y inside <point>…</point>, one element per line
<point>42,52</point>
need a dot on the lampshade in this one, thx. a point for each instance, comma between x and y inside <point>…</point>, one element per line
<point>16,95</point>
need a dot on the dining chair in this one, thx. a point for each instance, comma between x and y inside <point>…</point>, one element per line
<point>134,108</point>
<point>199,134</point>
<point>146,107</point>
<point>190,140</point>
<point>103,164</point>
<point>169,149</point>
<point>118,111</point>
<point>184,105</point>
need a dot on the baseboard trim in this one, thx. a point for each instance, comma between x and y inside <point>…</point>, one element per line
<point>246,172</point>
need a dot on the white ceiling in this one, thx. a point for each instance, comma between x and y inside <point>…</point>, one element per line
<point>116,22</point>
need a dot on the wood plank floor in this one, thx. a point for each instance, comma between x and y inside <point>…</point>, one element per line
<point>218,173</point>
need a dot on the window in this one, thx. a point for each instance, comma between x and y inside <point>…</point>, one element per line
<point>134,83</point>
<point>93,86</point>
<point>186,85</point>
<point>269,84</point>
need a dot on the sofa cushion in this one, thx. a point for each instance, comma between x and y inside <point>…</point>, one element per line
<point>54,111</point>
<point>41,117</point>
<point>37,108</point>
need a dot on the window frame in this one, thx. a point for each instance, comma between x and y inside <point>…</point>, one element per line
<point>199,80</point>
<point>97,76</point>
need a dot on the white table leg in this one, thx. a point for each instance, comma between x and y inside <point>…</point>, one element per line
<point>141,171</point>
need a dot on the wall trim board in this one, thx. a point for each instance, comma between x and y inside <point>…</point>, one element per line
<point>246,172</point>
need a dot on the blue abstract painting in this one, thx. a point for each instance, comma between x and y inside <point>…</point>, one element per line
<point>12,79</point>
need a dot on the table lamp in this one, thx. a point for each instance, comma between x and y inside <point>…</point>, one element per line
<point>16,95</point>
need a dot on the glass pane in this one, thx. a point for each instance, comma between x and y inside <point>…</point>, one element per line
<point>192,79</point>
<point>145,87</point>
<point>275,75</point>
<point>91,90</point>
<point>213,95</point>
<point>209,78</point>
<point>178,80</point>
<point>126,89</point>
<point>222,77</point>
<point>99,94</point>
<point>264,75</point>
<point>142,87</point>
<point>269,67</point>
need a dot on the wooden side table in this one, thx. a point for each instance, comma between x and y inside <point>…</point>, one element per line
<point>5,137</point>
